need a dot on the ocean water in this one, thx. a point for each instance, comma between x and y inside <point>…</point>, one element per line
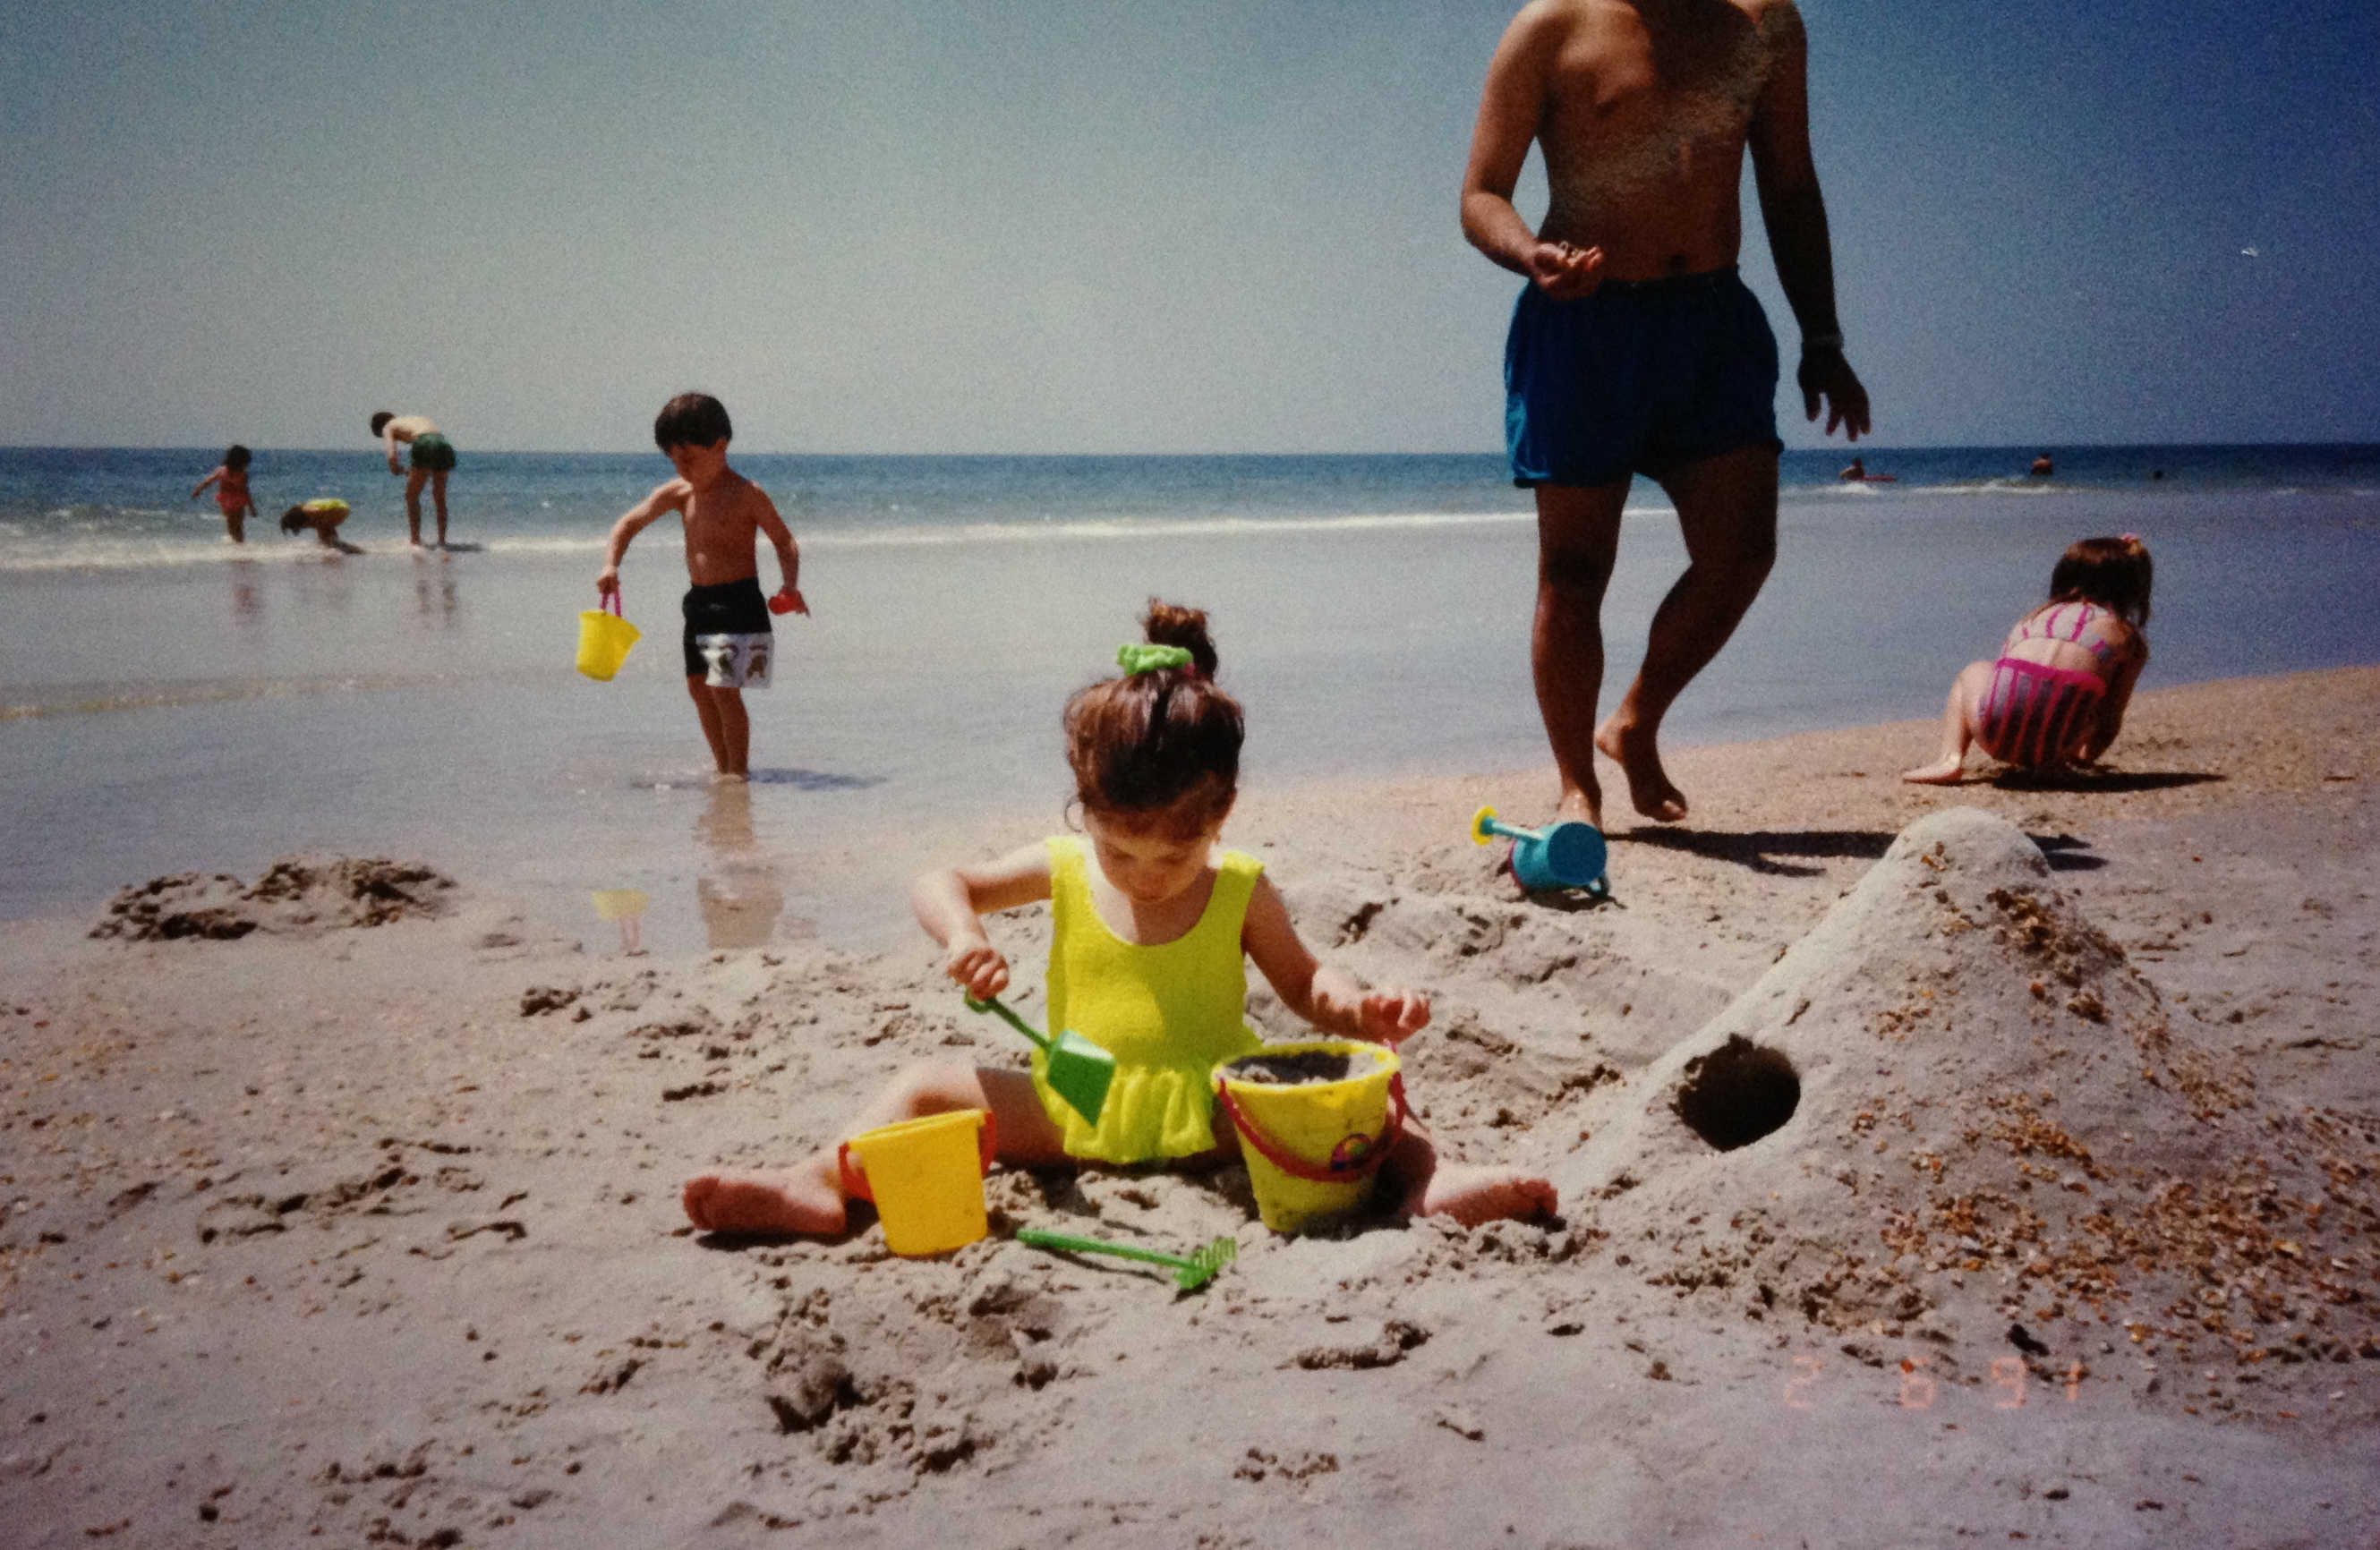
<point>169,701</point>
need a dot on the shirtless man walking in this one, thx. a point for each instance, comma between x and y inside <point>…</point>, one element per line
<point>1635,347</point>
<point>428,461</point>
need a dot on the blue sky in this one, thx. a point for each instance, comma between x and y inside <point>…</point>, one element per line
<point>1053,226</point>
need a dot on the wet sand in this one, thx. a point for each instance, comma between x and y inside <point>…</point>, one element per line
<point>340,1232</point>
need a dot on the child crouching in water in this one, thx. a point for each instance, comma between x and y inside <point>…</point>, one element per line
<point>1150,931</point>
<point>320,518</point>
<point>2056,696</point>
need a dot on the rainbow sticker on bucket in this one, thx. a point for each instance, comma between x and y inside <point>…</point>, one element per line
<point>1313,1138</point>
<point>926,1177</point>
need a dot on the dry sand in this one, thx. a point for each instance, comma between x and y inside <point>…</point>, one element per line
<point>360,1226</point>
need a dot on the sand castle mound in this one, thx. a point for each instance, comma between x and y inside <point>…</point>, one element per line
<point>1955,1105</point>
<point>297,893</point>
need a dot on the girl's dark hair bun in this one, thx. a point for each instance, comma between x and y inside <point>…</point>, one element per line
<point>1170,624</point>
<point>1167,740</point>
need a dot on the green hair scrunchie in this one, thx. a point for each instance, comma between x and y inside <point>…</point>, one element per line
<point>1141,658</point>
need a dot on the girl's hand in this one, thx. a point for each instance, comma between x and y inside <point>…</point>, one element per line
<point>1390,1016</point>
<point>980,968</point>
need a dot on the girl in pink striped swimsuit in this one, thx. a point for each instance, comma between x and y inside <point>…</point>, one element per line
<point>2056,696</point>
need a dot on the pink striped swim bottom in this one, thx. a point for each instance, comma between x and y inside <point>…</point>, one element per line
<point>2034,714</point>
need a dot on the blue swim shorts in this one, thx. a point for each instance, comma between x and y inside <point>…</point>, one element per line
<point>1642,377</point>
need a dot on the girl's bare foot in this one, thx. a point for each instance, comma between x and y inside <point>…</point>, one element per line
<point>1633,749</point>
<point>797,1200</point>
<point>1472,1195</point>
<point>1941,772</point>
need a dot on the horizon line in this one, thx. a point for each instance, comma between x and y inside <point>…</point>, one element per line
<point>1846,449</point>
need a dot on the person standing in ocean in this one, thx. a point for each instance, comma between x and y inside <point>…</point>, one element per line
<point>1635,347</point>
<point>431,460</point>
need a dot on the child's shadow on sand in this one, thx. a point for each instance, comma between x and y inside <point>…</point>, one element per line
<point>2112,781</point>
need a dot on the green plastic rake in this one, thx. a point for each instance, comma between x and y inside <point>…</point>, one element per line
<point>1189,1273</point>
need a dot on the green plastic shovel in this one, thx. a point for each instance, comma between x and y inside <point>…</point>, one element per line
<point>1078,1070</point>
<point>1190,1273</point>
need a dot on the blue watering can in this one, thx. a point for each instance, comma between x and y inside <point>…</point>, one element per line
<point>1564,855</point>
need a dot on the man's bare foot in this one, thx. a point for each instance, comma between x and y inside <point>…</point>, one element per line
<point>1639,758</point>
<point>1580,804</point>
<point>1472,1195</point>
<point>730,777</point>
<point>1941,772</point>
<point>799,1200</point>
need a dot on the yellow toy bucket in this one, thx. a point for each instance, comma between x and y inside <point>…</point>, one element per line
<point>605,639</point>
<point>1315,1120</point>
<point>926,1177</point>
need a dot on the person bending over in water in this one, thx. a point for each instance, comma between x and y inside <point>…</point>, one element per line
<point>322,518</point>
<point>1634,347</point>
<point>432,458</point>
<point>2056,696</point>
<point>1149,933</point>
<point>729,645</point>
<point>232,498</point>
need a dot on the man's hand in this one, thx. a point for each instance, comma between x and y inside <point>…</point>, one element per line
<point>789,600</point>
<point>1825,374</point>
<point>396,468</point>
<point>1564,273</point>
<point>1390,1016</point>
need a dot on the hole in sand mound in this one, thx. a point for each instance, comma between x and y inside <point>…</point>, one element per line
<point>1738,1092</point>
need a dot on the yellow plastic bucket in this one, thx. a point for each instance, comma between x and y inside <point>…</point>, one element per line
<point>926,1177</point>
<point>1313,1148</point>
<point>603,642</point>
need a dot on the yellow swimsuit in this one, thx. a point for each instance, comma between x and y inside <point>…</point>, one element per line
<point>1168,1013</point>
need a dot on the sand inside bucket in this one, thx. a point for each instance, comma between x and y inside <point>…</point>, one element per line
<point>1306,1068</point>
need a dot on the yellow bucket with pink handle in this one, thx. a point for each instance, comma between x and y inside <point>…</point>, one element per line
<point>605,639</point>
<point>1316,1119</point>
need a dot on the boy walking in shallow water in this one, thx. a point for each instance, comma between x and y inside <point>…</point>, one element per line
<point>728,642</point>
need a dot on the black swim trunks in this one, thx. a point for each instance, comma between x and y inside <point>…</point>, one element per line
<point>728,638</point>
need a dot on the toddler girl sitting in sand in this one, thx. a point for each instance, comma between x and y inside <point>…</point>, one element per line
<point>2056,696</point>
<point>1149,933</point>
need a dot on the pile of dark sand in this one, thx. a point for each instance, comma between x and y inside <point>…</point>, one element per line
<point>296,894</point>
